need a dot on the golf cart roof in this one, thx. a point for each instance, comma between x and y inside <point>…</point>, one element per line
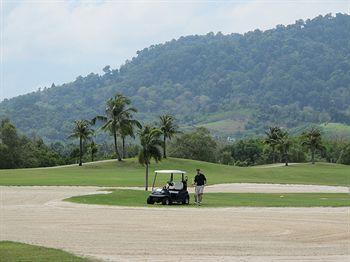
<point>169,172</point>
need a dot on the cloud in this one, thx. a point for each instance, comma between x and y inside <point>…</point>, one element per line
<point>54,41</point>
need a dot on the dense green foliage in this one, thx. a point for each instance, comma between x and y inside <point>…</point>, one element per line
<point>287,76</point>
<point>19,151</point>
<point>130,173</point>
<point>19,252</point>
<point>138,198</point>
<point>277,146</point>
<point>248,152</point>
<point>197,145</point>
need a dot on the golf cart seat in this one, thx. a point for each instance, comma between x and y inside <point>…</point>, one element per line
<point>178,185</point>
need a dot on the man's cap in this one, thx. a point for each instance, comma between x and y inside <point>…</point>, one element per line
<point>198,169</point>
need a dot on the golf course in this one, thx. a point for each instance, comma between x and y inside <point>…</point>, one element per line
<point>162,131</point>
<point>130,173</point>
<point>99,212</point>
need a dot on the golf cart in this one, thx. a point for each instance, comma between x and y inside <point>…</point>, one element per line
<point>175,191</point>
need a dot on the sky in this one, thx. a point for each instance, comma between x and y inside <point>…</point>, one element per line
<point>51,41</point>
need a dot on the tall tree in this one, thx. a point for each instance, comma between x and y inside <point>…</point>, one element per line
<point>83,131</point>
<point>168,128</point>
<point>151,143</point>
<point>312,139</point>
<point>272,136</point>
<point>10,145</point>
<point>284,144</point>
<point>118,112</point>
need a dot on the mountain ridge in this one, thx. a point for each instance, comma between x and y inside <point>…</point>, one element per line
<point>290,76</point>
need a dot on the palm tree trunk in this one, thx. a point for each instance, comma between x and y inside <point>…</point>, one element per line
<point>123,149</point>
<point>313,156</point>
<point>116,146</point>
<point>92,157</point>
<point>164,147</point>
<point>273,155</point>
<point>80,151</point>
<point>286,158</point>
<point>146,184</point>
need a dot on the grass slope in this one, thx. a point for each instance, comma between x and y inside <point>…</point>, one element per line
<point>336,131</point>
<point>225,127</point>
<point>16,252</point>
<point>138,198</point>
<point>130,173</point>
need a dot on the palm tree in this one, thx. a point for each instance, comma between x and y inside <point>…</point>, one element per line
<point>168,128</point>
<point>93,149</point>
<point>284,144</point>
<point>151,143</point>
<point>117,112</point>
<point>127,129</point>
<point>313,140</point>
<point>82,131</point>
<point>272,139</point>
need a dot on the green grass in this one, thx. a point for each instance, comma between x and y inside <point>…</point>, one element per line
<point>138,198</point>
<point>131,173</point>
<point>227,126</point>
<point>16,252</point>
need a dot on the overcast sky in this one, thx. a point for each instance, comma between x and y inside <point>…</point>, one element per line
<point>55,41</point>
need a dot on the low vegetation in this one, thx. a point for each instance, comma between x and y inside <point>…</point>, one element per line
<point>138,198</point>
<point>19,252</point>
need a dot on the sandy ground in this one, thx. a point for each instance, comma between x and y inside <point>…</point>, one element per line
<point>36,215</point>
<point>275,165</point>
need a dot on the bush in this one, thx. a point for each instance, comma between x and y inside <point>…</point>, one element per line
<point>197,145</point>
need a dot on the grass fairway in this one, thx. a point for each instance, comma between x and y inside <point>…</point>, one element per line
<point>138,198</point>
<point>16,252</point>
<point>131,173</point>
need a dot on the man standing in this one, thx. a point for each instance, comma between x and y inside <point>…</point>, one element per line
<point>199,181</point>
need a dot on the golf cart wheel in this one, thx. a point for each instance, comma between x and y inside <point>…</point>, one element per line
<point>150,200</point>
<point>166,201</point>
<point>186,201</point>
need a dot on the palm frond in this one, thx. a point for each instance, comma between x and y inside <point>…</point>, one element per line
<point>98,118</point>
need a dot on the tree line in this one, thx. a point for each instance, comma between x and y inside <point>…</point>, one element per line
<point>119,123</point>
<point>153,143</point>
<point>276,146</point>
<point>17,151</point>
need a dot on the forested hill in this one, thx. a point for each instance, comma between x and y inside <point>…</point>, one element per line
<point>290,75</point>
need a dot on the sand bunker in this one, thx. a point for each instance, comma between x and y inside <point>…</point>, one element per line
<point>36,215</point>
